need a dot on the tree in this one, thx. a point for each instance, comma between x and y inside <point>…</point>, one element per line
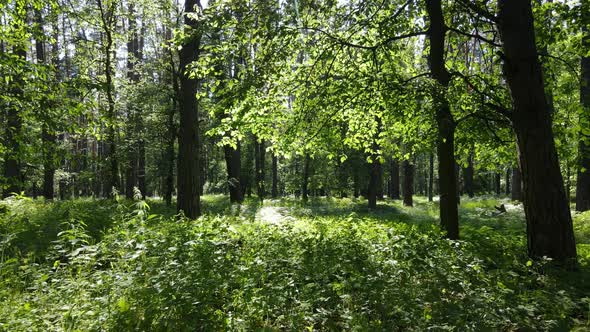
<point>108,20</point>
<point>583,183</point>
<point>394,179</point>
<point>549,223</point>
<point>189,200</point>
<point>408,184</point>
<point>449,215</point>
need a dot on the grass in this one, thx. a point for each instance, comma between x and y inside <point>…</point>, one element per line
<point>331,264</point>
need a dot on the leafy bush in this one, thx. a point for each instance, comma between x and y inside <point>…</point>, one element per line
<point>318,271</point>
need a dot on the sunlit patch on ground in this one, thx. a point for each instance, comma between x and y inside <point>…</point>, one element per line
<point>273,215</point>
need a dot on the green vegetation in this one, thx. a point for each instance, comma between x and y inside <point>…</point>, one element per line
<point>90,265</point>
<point>262,165</point>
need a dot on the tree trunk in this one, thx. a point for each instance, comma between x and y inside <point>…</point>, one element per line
<point>408,185</point>
<point>549,223</point>
<point>189,200</point>
<point>449,215</point>
<point>356,190</point>
<point>171,129</point>
<point>516,191</point>
<point>259,153</point>
<point>304,189</point>
<point>380,194</point>
<point>457,183</point>
<point>47,136</point>
<point>468,177</point>
<point>275,176</point>
<point>107,17</point>
<point>498,183</point>
<point>395,182</point>
<point>234,166</point>
<point>507,180</point>
<point>374,178</point>
<point>583,180</point>
<point>430,177</point>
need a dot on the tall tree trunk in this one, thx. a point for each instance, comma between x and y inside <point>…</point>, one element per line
<point>374,178</point>
<point>549,223</point>
<point>507,180</point>
<point>583,180</point>
<point>395,182</point>
<point>380,194</point>
<point>497,183</point>
<point>304,189</point>
<point>408,185</point>
<point>204,164</point>
<point>107,16</point>
<point>468,177</point>
<point>259,153</point>
<point>135,173</point>
<point>189,200</point>
<point>516,191</point>
<point>457,183</point>
<point>275,176</point>
<point>171,128</point>
<point>449,215</point>
<point>47,135</point>
<point>141,160</point>
<point>356,190</point>
<point>430,177</point>
<point>234,166</point>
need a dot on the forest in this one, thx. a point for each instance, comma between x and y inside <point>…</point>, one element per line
<point>294,165</point>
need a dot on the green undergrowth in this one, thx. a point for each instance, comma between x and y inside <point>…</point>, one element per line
<point>330,264</point>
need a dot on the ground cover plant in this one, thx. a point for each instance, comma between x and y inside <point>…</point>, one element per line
<point>328,265</point>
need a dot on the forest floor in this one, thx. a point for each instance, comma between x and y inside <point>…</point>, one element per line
<point>330,264</point>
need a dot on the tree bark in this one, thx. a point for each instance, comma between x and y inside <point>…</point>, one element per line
<point>47,135</point>
<point>259,154</point>
<point>395,181</point>
<point>380,194</point>
<point>449,215</point>
<point>408,185</point>
<point>549,223</point>
<point>171,128</point>
<point>430,177</point>
<point>373,187</point>
<point>188,186</point>
<point>275,176</point>
<point>507,179</point>
<point>457,183</point>
<point>468,177</point>
<point>516,191</point>
<point>107,16</point>
<point>356,190</point>
<point>497,183</point>
<point>233,165</point>
<point>583,179</point>
<point>304,189</point>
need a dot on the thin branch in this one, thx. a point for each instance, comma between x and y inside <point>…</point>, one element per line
<point>415,77</point>
<point>364,47</point>
<point>478,10</point>
<point>476,36</point>
<point>567,64</point>
<point>500,109</point>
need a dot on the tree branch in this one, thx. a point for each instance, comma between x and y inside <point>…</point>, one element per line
<point>476,36</point>
<point>365,47</point>
<point>478,10</point>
